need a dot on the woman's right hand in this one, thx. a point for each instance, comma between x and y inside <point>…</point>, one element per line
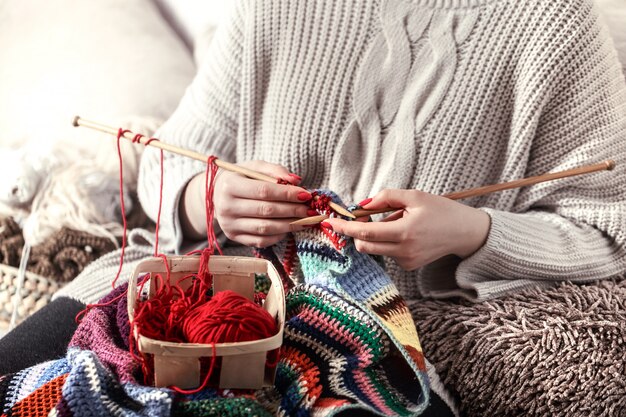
<point>252,212</point>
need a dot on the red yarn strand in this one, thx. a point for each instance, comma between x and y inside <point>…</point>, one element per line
<point>178,314</point>
<point>120,134</point>
<point>158,221</point>
<point>209,207</point>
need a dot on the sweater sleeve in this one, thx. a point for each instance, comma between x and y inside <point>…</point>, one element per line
<point>571,229</point>
<point>205,121</point>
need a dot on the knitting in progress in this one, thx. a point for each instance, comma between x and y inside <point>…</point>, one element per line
<point>350,342</point>
<point>430,95</point>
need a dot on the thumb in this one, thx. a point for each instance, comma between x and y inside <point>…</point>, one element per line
<point>273,170</point>
<point>393,198</point>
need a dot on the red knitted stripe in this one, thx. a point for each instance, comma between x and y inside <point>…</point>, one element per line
<point>42,400</point>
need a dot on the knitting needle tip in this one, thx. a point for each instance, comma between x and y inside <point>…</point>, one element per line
<point>341,210</point>
<point>610,164</point>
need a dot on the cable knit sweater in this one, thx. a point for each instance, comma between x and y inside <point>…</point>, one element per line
<point>436,95</point>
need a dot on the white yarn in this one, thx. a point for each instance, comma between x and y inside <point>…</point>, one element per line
<point>68,186</point>
<point>22,171</point>
<point>78,196</point>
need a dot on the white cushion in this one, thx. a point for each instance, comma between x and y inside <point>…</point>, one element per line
<point>107,60</point>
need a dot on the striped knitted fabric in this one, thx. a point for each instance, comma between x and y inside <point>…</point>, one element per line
<point>348,324</point>
<point>350,343</point>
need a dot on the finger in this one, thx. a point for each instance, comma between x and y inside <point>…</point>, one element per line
<point>394,198</point>
<point>266,191</point>
<point>377,248</point>
<point>396,215</point>
<point>256,241</point>
<point>265,209</point>
<point>273,170</point>
<point>373,232</point>
<point>263,227</point>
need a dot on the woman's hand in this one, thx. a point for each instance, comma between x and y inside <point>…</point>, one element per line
<point>427,228</point>
<point>251,212</point>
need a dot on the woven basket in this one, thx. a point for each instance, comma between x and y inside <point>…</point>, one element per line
<point>36,293</point>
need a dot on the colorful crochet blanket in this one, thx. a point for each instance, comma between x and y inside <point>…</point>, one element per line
<point>350,343</point>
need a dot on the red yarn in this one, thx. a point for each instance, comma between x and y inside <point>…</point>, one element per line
<point>79,316</point>
<point>137,139</point>
<point>120,134</point>
<point>176,314</point>
<point>209,184</point>
<point>228,317</point>
<point>158,221</point>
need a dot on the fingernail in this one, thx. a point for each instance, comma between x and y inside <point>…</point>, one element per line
<point>297,177</point>
<point>327,225</point>
<point>311,212</point>
<point>365,202</point>
<point>304,196</point>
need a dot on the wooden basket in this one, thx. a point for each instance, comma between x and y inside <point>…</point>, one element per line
<point>243,364</point>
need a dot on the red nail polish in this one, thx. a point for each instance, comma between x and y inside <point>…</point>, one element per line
<point>304,196</point>
<point>297,177</point>
<point>311,212</point>
<point>327,225</point>
<point>365,202</point>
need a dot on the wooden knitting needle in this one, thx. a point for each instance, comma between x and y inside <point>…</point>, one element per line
<point>488,189</point>
<point>79,121</point>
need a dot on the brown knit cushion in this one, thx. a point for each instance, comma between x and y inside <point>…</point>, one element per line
<point>50,265</point>
<point>67,253</point>
<point>551,352</point>
<point>11,242</point>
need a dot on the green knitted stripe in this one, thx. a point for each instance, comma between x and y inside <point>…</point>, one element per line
<point>391,400</point>
<point>230,407</point>
<point>262,283</point>
<point>356,327</point>
<point>314,265</point>
<point>291,376</point>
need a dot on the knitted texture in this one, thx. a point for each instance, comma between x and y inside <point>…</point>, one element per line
<point>436,95</point>
<point>11,242</point>
<point>553,352</point>
<point>37,292</point>
<point>61,257</point>
<point>66,253</point>
<point>41,401</point>
<point>51,264</point>
<point>33,391</point>
<point>349,342</point>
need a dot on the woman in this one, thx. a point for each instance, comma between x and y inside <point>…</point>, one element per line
<point>403,101</point>
<point>396,103</point>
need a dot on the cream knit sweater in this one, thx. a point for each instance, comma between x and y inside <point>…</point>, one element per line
<point>436,95</point>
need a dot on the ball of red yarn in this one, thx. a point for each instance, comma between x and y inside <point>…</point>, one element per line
<point>228,317</point>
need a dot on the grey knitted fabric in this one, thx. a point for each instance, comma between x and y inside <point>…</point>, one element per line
<point>436,95</point>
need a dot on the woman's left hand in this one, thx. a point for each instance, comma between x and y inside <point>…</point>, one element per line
<point>425,228</point>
